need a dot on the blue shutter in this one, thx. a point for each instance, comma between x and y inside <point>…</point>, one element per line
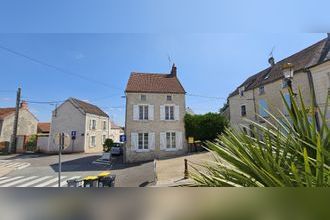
<point>263,108</point>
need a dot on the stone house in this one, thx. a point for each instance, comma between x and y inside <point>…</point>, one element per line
<point>261,92</point>
<point>115,132</point>
<point>155,109</point>
<point>87,122</point>
<point>27,122</point>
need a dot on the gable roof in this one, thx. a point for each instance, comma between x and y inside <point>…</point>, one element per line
<point>155,83</point>
<point>43,127</point>
<point>4,112</point>
<point>87,107</point>
<point>306,58</point>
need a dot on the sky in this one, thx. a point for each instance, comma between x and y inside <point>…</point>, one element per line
<point>55,50</point>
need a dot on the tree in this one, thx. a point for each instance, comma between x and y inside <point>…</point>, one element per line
<point>287,151</point>
<point>204,127</point>
<point>108,144</point>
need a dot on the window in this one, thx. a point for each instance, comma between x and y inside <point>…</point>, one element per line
<point>169,98</point>
<point>143,141</point>
<point>261,90</point>
<point>93,141</point>
<point>104,125</point>
<point>284,83</point>
<point>143,112</point>
<point>169,112</point>
<point>143,98</point>
<point>263,108</point>
<point>170,140</point>
<point>103,138</point>
<point>241,91</point>
<point>243,110</point>
<point>93,124</point>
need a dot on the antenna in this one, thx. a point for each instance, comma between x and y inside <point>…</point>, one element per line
<point>169,61</point>
<point>271,52</point>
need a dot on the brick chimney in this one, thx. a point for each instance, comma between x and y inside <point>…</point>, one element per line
<point>173,71</point>
<point>24,105</point>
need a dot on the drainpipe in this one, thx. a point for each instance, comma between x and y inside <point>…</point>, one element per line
<point>312,89</point>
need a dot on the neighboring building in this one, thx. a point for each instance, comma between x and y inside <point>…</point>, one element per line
<point>89,123</point>
<point>43,128</point>
<point>190,111</point>
<point>115,132</point>
<point>43,136</point>
<point>155,109</point>
<point>261,92</point>
<point>27,122</point>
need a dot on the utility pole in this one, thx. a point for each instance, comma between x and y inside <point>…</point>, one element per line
<point>14,136</point>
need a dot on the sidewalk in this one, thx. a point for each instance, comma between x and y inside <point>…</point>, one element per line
<point>170,172</point>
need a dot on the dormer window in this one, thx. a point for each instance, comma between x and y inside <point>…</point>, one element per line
<point>143,98</point>
<point>169,98</point>
<point>241,91</point>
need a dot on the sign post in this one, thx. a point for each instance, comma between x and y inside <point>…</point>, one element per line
<point>63,141</point>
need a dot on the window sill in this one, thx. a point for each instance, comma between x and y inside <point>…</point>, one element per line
<point>142,151</point>
<point>170,150</point>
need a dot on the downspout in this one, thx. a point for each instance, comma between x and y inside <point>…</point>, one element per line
<point>312,90</point>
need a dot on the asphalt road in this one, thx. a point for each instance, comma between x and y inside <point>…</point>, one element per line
<point>43,170</point>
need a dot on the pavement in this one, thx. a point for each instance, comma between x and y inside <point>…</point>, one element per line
<point>170,172</point>
<point>39,170</point>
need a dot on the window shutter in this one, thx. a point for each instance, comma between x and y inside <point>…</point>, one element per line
<point>176,112</point>
<point>151,112</point>
<point>162,112</point>
<point>135,112</point>
<point>162,140</point>
<point>90,124</point>
<point>151,141</point>
<point>134,141</point>
<point>179,141</point>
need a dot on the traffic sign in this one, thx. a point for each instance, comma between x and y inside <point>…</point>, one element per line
<point>122,138</point>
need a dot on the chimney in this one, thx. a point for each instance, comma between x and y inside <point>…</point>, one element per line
<point>271,61</point>
<point>173,71</point>
<point>24,105</point>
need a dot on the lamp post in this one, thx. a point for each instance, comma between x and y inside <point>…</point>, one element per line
<point>287,70</point>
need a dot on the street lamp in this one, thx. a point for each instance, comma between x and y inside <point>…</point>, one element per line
<point>287,70</point>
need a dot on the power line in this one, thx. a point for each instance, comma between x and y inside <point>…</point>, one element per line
<point>59,69</point>
<point>208,97</point>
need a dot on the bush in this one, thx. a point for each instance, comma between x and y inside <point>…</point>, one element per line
<point>31,144</point>
<point>288,151</point>
<point>108,144</point>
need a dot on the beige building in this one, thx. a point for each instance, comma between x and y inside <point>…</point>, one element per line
<point>261,92</point>
<point>27,122</point>
<point>87,122</point>
<point>115,132</point>
<point>155,109</point>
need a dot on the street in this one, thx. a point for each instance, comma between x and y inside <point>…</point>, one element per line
<point>37,170</point>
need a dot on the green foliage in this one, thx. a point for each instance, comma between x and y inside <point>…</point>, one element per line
<point>31,144</point>
<point>107,145</point>
<point>288,151</point>
<point>204,127</point>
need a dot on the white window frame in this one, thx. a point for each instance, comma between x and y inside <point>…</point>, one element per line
<point>91,142</point>
<point>93,125</point>
<point>169,107</point>
<point>145,113</point>
<point>144,141</point>
<point>172,138</point>
<point>104,125</point>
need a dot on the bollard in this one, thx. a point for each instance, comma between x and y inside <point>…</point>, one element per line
<point>186,174</point>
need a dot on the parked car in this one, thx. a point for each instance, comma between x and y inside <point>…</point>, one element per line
<point>117,149</point>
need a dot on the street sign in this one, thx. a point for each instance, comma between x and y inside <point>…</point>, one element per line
<point>190,140</point>
<point>67,140</point>
<point>73,135</point>
<point>122,138</point>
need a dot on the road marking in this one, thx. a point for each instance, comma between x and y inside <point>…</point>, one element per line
<point>64,183</point>
<point>23,166</point>
<point>19,181</point>
<point>35,181</point>
<point>4,177</point>
<point>9,165</point>
<point>11,179</point>
<point>50,182</point>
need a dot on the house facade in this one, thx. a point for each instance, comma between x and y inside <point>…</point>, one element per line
<point>262,92</point>
<point>87,122</point>
<point>27,122</point>
<point>155,109</point>
<point>115,132</point>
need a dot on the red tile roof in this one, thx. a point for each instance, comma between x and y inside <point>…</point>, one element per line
<point>154,83</point>
<point>4,112</point>
<point>43,127</point>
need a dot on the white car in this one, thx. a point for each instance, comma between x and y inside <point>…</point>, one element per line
<point>117,149</point>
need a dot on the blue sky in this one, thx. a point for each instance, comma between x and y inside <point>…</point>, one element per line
<point>215,46</point>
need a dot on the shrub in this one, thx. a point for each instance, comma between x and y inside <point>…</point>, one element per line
<point>108,144</point>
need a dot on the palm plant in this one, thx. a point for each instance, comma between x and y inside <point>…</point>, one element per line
<point>290,150</point>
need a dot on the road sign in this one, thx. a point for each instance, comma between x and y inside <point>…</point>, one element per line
<point>67,140</point>
<point>122,138</point>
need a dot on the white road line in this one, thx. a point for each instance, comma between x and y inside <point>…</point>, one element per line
<point>10,165</point>
<point>50,182</point>
<point>64,183</point>
<point>4,177</point>
<point>19,181</point>
<point>34,181</point>
<point>11,179</point>
<point>23,166</point>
